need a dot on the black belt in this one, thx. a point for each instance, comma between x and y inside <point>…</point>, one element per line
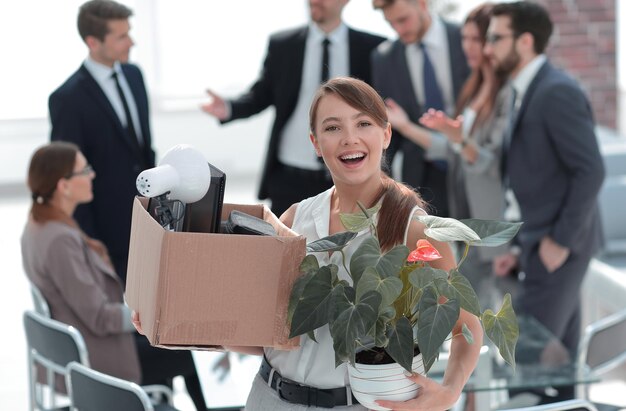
<point>315,175</point>
<point>301,394</point>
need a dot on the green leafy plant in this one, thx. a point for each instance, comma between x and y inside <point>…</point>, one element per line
<point>395,300</point>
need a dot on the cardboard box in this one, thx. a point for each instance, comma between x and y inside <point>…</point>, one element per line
<point>197,290</point>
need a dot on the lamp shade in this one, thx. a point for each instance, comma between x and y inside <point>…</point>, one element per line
<point>183,171</point>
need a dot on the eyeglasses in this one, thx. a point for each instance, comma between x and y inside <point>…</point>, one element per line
<point>493,38</point>
<point>87,170</point>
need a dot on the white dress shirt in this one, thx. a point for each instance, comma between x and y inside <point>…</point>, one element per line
<point>522,81</point>
<point>295,147</point>
<point>102,75</point>
<point>436,42</point>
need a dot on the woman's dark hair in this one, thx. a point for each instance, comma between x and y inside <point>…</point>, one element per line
<point>480,16</point>
<point>399,200</point>
<point>48,165</point>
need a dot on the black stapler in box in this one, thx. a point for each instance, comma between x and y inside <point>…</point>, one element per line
<point>242,223</point>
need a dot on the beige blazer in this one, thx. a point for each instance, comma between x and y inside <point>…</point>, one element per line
<point>83,291</point>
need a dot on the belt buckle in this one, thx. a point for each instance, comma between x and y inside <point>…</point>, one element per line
<point>279,391</point>
<point>279,383</point>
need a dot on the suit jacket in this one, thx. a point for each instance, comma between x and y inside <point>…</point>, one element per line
<point>279,84</point>
<point>554,164</point>
<point>82,291</point>
<point>81,113</point>
<point>391,78</point>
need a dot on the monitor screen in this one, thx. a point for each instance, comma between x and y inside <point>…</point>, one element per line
<point>204,216</point>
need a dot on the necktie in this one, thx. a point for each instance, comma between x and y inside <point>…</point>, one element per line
<point>130,127</point>
<point>325,60</point>
<point>325,74</point>
<point>432,93</point>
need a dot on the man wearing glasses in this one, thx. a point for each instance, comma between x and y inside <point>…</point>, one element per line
<point>552,163</point>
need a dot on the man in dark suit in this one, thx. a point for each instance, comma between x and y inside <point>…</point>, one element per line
<point>103,108</point>
<point>88,110</point>
<point>399,73</point>
<point>294,67</point>
<point>554,168</point>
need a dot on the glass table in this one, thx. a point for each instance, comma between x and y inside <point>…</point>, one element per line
<point>541,361</point>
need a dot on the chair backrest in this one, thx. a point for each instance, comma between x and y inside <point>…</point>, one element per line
<point>94,391</point>
<point>613,218</point>
<point>603,346</point>
<point>51,345</point>
<point>570,405</point>
<point>54,343</point>
<point>40,303</point>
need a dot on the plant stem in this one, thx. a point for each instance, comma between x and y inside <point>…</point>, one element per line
<point>467,246</point>
<point>343,262</point>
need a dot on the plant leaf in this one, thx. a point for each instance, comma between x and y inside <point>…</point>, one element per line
<point>379,331</point>
<point>401,343</point>
<point>352,320</point>
<point>447,229</point>
<point>368,254</point>
<point>312,309</point>
<point>422,277</point>
<point>296,293</point>
<point>309,264</point>
<point>466,294</point>
<point>357,222</point>
<point>467,334</point>
<point>503,329</point>
<point>434,324</point>
<point>389,288</point>
<point>333,242</point>
<point>492,233</point>
<point>391,262</point>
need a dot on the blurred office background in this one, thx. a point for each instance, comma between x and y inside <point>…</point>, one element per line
<point>184,47</point>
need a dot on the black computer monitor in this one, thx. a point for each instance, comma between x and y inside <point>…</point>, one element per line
<point>205,215</point>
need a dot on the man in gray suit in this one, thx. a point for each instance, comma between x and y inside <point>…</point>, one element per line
<point>553,166</point>
<point>400,71</point>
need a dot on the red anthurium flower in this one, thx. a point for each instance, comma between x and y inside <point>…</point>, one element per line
<point>424,251</point>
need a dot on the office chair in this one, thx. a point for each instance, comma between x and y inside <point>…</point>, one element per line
<point>603,347</point>
<point>91,390</point>
<point>570,405</point>
<point>51,346</point>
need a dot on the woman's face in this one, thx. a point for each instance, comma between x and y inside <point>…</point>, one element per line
<point>350,141</point>
<point>472,44</point>
<point>79,183</point>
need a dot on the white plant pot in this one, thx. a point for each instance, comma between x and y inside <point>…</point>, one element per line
<point>383,382</point>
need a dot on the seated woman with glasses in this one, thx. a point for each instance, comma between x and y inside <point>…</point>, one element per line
<point>77,279</point>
